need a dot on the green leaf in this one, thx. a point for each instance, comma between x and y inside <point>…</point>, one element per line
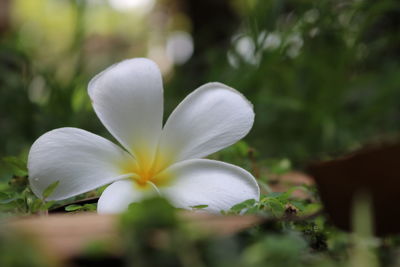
<point>7,201</point>
<point>252,210</point>
<point>4,196</point>
<point>90,207</point>
<point>312,208</point>
<point>73,207</point>
<point>274,194</point>
<point>243,205</point>
<point>17,165</point>
<point>50,189</point>
<point>277,207</point>
<point>48,205</point>
<point>36,205</point>
<point>242,148</point>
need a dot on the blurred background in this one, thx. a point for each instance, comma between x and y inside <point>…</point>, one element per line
<point>323,76</point>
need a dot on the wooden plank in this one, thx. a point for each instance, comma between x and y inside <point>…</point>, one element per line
<point>374,170</point>
<point>66,235</point>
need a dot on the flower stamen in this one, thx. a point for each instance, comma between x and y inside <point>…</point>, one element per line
<point>154,187</point>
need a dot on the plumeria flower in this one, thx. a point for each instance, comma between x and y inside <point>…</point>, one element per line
<point>128,99</point>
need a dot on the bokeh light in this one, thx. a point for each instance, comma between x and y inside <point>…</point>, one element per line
<point>132,5</point>
<point>179,47</point>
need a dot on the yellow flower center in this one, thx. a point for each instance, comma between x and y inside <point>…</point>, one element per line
<point>148,171</point>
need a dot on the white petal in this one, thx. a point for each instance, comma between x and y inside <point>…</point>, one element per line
<point>117,197</point>
<point>208,182</point>
<point>128,99</point>
<point>79,160</point>
<point>211,118</point>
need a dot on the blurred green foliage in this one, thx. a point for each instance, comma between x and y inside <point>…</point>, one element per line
<point>323,75</point>
<point>19,251</point>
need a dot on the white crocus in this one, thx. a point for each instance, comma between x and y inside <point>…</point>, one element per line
<point>128,99</point>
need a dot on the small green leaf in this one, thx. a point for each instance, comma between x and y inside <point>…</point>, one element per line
<point>274,194</point>
<point>90,207</point>
<point>5,198</point>
<point>48,205</point>
<point>243,205</point>
<point>242,148</point>
<point>312,208</point>
<point>50,189</point>
<point>277,208</point>
<point>73,207</point>
<point>36,205</point>
<point>17,166</point>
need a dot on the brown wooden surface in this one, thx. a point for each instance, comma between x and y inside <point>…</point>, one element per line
<point>66,235</point>
<point>376,171</point>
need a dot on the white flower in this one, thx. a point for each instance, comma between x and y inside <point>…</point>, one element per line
<point>128,99</point>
